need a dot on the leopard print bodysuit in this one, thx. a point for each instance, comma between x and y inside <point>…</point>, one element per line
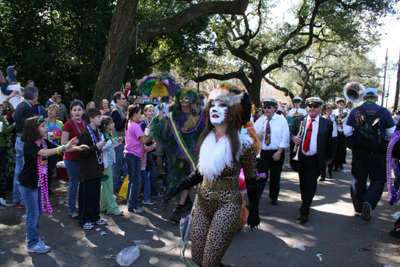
<point>217,213</point>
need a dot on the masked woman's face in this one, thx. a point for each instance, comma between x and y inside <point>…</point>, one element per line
<point>218,112</point>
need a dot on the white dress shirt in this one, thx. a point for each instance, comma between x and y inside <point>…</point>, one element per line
<point>279,132</point>
<point>313,142</point>
<point>299,110</point>
<point>335,126</point>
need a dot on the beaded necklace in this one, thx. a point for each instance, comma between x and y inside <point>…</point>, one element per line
<point>195,128</point>
<point>76,125</point>
<point>393,193</point>
<point>42,167</point>
<point>369,102</point>
<point>99,153</point>
<point>48,123</point>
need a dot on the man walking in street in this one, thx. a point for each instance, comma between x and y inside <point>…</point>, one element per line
<point>368,126</point>
<point>273,133</point>
<point>315,152</point>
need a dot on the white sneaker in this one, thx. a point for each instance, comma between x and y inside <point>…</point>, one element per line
<point>148,202</point>
<point>101,222</point>
<point>139,210</point>
<point>39,248</point>
<point>118,213</point>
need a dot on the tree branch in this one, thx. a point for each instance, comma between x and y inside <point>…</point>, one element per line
<point>151,29</point>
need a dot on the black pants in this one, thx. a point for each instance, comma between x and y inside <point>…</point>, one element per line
<point>309,173</point>
<point>340,158</point>
<point>367,165</point>
<point>332,164</point>
<point>272,170</point>
<point>89,201</point>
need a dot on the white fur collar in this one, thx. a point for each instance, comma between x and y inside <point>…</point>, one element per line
<point>215,156</point>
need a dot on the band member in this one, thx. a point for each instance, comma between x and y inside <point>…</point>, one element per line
<point>297,110</point>
<point>315,151</point>
<point>328,115</point>
<point>341,114</point>
<point>273,133</point>
<point>369,152</point>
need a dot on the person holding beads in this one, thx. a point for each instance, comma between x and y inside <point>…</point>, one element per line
<point>34,188</point>
<point>73,128</point>
<point>107,202</point>
<point>148,112</point>
<point>91,170</point>
<point>54,130</point>
<point>134,139</point>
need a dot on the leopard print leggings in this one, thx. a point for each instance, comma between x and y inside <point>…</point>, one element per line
<point>215,221</point>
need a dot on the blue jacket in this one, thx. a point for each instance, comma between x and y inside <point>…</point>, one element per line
<point>10,79</point>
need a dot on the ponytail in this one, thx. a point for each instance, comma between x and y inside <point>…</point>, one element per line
<point>132,110</point>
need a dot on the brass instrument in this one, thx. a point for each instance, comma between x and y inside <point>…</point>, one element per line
<point>353,92</point>
<point>340,118</point>
<point>296,149</point>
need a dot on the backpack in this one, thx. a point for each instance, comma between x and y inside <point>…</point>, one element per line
<point>369,137</point>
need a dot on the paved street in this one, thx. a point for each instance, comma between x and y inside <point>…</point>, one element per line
<point>333,231</point>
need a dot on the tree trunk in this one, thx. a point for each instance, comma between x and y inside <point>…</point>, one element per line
<point>123,38</point>
<point>254,91</point>
<point>120,44</point>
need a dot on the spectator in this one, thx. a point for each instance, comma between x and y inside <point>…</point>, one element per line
<point>54,130</point>
<point>2,79</point>
<point>10,143</point>
<point>151,167</point>
<point>52,99</point>
<point>37,148</point>
<point>73,128</point>
<point>119,117</point>
<point>107,202</point>
<point>396,116</point>
<point>91,169</point>
<point>22,113</point>
<point>38,110</point>
<point>104,106</point>
<point>6,129</point>
<point>30,82</point>
<point>63,115</point>
<point>90,105</point>
<point>13,95</point>
<point>133,152</point>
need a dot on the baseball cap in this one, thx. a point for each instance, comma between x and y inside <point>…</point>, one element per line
<point>370,92</point>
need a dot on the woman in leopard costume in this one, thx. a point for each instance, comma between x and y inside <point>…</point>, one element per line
<point>223,151</point>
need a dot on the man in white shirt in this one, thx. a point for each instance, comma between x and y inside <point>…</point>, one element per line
<point>341,115</point>
<point>315,152</point>
<point>297,110</point>
<point>273,133</point>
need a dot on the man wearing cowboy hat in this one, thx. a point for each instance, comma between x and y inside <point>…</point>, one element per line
<point>273,133</point>
<point>315,152</point>
<point>341,114</point>
<point>297,110</point>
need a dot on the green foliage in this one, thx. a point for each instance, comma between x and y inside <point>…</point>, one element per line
<point>58,43</point>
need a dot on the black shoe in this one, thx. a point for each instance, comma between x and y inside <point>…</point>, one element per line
<point>395,234</point>
<point>321,179</point>
<point>302,218</point>
<point>176,217</point>
<point>366,212</point>
<point>274,202</point>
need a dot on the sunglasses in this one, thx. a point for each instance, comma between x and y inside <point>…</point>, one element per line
<point>328,108</point>
<point>123,98</point>
<point>76,101</point>
<point>40,119</point>
<point>267,107</point>
<point>297,101</point>
<point>313,106</point>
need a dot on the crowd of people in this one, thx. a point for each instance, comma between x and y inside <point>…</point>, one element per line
<point>124,148</point>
